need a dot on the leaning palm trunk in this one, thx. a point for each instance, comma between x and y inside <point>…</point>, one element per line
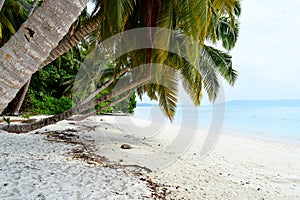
<point>88,114</point>
<point>27,49</point>
<point>75,110</point>
<point>73,40</point>
<point>1,3</point>
<point>16,109</point>
<point>62,48</point>
<point>32,7</point>
<point>24,89</point>
<point>87,103</point>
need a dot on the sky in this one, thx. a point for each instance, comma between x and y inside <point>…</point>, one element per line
<point>267,52</point>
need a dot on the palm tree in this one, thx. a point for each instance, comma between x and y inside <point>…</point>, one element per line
<point>69,42</point>
<point>220,27</point>
<point>21,56</point>
<point>1,3</point>
<point>17,102</point>
<point>216,23</point>
<point>15,105</point>
<point>200,20</point>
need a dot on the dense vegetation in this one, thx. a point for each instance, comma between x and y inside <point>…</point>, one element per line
<point>50,88</point>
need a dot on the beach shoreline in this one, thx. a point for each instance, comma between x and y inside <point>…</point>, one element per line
<point>237,167</point>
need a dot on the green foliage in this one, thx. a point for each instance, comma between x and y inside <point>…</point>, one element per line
<point>39,103</point>
<point>6,119</point>
<point>126,106</point>
<point>50,89</point>
<point>108,110</point>
<point>50,80</point>
<point>47,93</point>
<point>132,103</point>
<point>12,15</point>
<point>26,115</point>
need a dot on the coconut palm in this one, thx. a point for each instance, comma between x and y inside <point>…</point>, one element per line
<point>21,56</point>
<point>15,105</point>
<point>1,3</point>
<point>72,39</point>
<point>200,20</point>
<point>222,27</point>
<point>216,23</point>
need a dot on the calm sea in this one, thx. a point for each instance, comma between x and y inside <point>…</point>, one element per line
<point>264,121</point>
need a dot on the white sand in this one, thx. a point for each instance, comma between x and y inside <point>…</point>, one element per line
<point>33,168</point>
<point>238,168</point>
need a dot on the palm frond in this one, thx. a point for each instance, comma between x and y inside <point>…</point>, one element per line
<point>166,20</point>
<point>191,82</point>
<point>226,33</point>
<point>167,91</point>
<point>1,27</point>
<point>222,64</point>
<point>150,90</point>
<point>237,9</point>
<point>6,23</point>
<point>118,11</point>
<point>209,77</point>
<point>230,8</point>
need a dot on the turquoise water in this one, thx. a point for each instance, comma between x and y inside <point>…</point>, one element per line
<point>264,121</point>
<point>274,123</point>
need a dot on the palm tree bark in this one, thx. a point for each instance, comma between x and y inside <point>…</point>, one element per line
<point>32,7</point>
<point>1,3</point>
<point>28,48</point>
<point>24,89</point>
<point>74,39</point>
<point>62,48</point>
<point>16,110</point>
<point>105,85</point>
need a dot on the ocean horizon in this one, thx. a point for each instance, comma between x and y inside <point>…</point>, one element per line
<point>272,120</point>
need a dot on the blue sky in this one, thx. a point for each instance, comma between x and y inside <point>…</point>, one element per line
<point>267,52</point>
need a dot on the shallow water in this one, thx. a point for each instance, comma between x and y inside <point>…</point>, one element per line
<point>275,123</point>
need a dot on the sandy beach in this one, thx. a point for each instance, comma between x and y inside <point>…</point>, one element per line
<point>84,160</point>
